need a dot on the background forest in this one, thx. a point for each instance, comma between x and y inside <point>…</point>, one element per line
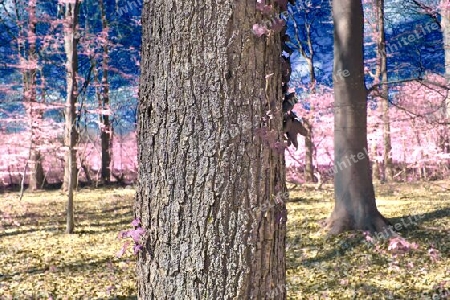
<point>411,131</point>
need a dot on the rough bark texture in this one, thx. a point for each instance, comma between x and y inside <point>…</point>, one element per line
<point>70,132</point>
<point>208,171</point>
<point>355,206</point>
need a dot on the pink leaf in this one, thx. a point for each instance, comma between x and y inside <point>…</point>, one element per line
<point>259,30</point>
<point>124,249</point>
<point>136,222</point>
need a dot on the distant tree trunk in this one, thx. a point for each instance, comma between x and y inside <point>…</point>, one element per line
<point>309,141</point>
<point>355,207</point>
<point>309,150</point>
<point>388,173</point>
<point>375,166</point>
<point>106,131</point>
<point>36,179</point>
<point>71,134</point>
<point>209,166</point>
<point>445,26</point>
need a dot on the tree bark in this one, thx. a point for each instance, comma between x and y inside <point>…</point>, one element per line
<point>355,206</point>
<point>70,134</point>
<point>211,163</point>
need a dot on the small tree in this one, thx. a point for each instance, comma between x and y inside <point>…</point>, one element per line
<point>71,134</point>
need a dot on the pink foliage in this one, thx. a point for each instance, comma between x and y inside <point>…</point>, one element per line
<point>399,245</point>
<point>14,154</point>
<point>419,131</point>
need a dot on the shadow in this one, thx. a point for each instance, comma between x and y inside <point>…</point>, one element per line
<point>76,266</point>
<point>296,199</point>
<point>413,222</point>
<point>25,231</point>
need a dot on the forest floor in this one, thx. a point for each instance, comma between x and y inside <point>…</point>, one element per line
<point>39,261</point>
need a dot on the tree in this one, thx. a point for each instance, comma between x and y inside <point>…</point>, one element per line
<point>106,130</point>
<point>25,20</point>
<point>211,160</point>
<point>70,132</point>
<point>306,50</point>
<point>381,76</point>
<point>35,113</point>
<point>355,206</point>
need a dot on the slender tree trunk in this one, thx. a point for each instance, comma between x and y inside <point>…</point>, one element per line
<point>106,132</point>
<point>71,134</point>
<point>309,150</point>
<point>355,207</point>
<point>375,165</point>
<point>36,179</point>
<point>209,160</point>
<point>445,26</point>
<point>381,45</point>
<point>309,141</point>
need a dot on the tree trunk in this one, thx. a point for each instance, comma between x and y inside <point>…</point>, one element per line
<point>445,26</point>
<point>36,179</point>
<point>210,161</point>
<point>309,141</point>
<point>309,149</point>
<point>375,166</point>
<point>106,131</point>
<point>71,134</point>
<point>388,172</point>
<point>355,207</point>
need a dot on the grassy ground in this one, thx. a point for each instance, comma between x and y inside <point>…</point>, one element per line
<point>39,261</point>
<point>348,267</point>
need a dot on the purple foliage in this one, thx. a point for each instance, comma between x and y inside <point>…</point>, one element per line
<point>135,234</point>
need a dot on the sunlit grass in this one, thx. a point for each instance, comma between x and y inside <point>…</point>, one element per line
<point>345,267</point>
<point>39,261</point>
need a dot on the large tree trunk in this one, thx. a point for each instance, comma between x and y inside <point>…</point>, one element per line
<point>71,134</point>
<point>209,164</point>
<point>106,131</point>
<point>355,206</point>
